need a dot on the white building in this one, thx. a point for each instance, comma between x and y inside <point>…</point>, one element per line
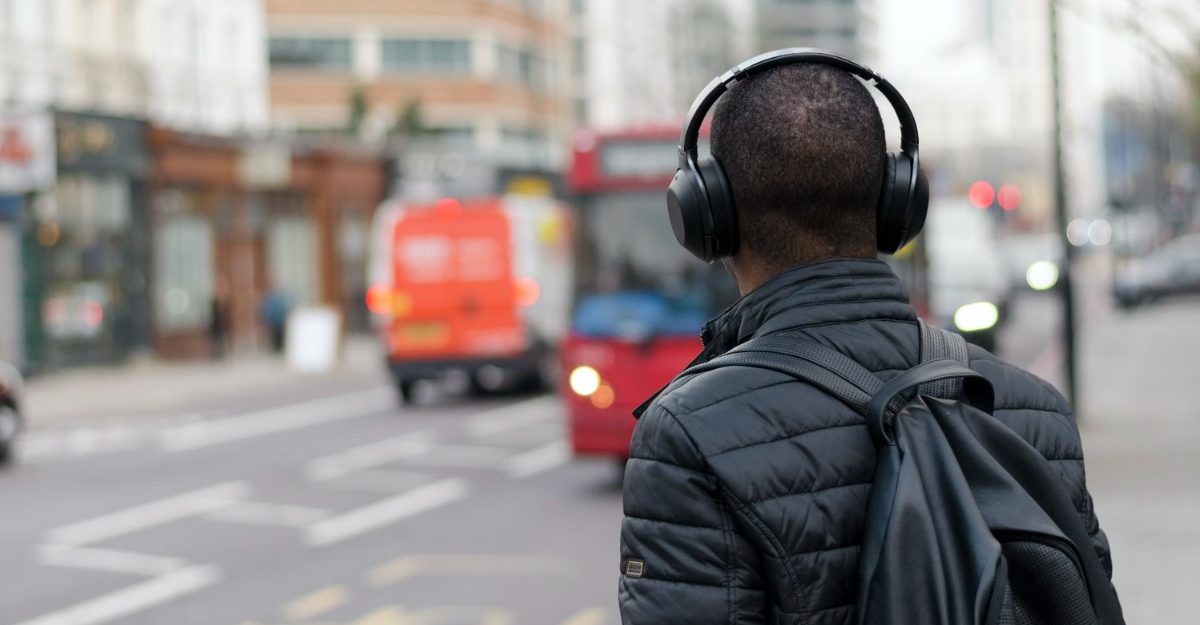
<point>640,63</point>
<point>977,75</point>
<point>189,64</point>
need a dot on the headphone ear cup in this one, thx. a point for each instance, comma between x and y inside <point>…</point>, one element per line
<point>685,206</point>
<point>724,234</point>
<point>902,204</point>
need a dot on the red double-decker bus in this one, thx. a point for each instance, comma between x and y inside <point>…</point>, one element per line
<point>640,299</point>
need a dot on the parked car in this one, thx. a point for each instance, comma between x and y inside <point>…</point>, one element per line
<point>11,421</point>
<point>1173,269</point>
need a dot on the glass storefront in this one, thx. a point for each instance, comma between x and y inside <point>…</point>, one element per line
<point>82,231</point>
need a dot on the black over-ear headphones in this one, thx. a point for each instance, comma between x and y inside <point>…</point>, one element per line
<point>700,200</point>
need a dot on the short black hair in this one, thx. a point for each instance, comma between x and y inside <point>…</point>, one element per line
<point>803,148</point>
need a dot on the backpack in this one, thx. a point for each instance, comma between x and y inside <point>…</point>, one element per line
<point>967,524</point>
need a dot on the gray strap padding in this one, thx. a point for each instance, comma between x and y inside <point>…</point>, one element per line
<point>938,344</point>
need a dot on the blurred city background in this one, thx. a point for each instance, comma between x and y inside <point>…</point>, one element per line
<point>334,311</point>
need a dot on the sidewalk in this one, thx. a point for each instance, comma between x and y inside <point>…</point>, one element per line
<point>157,388</point>
<point>1140,417</point>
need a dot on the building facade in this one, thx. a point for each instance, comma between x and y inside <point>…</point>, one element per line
<point>489,74</point>
<point>641,63</point>
<point>845,27</point>
<point>198,65</point>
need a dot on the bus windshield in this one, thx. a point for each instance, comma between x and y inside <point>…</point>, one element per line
<point>633,280</point>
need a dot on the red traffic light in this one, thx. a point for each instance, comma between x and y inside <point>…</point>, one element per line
<point>981,194</point>
<point>1009,197</point>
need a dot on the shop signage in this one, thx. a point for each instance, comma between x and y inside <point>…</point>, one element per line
<point>100,142</point>
<point>26,152</point>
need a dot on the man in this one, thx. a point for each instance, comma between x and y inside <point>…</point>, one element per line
<point>746,489</point>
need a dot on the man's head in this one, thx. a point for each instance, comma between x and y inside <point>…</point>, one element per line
<point>803,149</point>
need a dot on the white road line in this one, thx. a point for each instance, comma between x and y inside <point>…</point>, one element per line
<point>258,513</point>
<point>386,512</point>
<point>276,420</point>
<point>149,514</point>
<point>539,459</point>
<point>131,599</point>
<point>514,416</point>
<point>109,560</point>
<point>368,456</point>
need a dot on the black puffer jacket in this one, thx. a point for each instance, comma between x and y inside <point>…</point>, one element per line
<point>746,490</point>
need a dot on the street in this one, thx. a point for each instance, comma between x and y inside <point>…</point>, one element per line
<point>337,509</point>
<point>329,503</point>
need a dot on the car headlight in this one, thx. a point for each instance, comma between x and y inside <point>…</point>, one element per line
<point>976,317</point>
<point>1042,275</point>
<point>584,380</point>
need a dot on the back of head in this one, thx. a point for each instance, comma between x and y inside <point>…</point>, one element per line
<point>803,149</point>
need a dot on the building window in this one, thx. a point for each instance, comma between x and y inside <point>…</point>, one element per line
<point>523,67</point>
<point>329,53</point>
<point>427,56</point>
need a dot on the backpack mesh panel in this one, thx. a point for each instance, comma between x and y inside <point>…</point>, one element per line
<point>1045,587</point>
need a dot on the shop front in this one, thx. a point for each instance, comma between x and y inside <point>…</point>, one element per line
<point>238,226</point>
<point>26,170</point>
<point>86,246</point>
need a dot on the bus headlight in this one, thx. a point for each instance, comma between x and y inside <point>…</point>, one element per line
<point>976,317</point>
<point>584,380</point>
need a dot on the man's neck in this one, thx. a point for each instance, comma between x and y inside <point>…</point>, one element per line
<point>751,272</point>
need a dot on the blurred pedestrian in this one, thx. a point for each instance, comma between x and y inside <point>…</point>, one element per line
<point>746,490</point>
<point>275,307</point>
<point>218,322</point>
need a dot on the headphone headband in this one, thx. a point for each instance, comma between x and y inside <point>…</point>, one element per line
<point>909,141</point>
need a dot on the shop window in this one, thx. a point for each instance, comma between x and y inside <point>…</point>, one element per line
<point>183,277</point>
<point>292,257</point>
<point>426,56</point>
<point>327,53</point>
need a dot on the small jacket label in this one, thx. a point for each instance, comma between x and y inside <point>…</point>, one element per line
<point>635,568</point>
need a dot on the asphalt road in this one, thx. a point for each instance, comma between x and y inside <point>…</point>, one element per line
<point>331,506</point>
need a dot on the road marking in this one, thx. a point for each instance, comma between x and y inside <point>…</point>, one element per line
<point>258,513</point>
<point>135,598</point>
<point>276,420</point>
<point>390,615</point>
<point>149,514</point>
<point>369,456</point>
<point>386,512</point>
<point>316,603</point>
<point>512,417</point>
<point>539,459</point>
<point>592,616</point>
<point>408,567</point>
<point>109,560</point>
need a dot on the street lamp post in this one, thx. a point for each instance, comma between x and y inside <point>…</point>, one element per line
<point>1065,287</point>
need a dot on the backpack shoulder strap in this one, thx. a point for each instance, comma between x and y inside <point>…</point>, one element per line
<point>823,367</point>
<point>938,344</point>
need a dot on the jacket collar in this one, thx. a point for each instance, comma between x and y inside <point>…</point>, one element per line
<point>823,292</point>
<point>831,291</point>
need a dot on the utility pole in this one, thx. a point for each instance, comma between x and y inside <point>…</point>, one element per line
<point>1065,287</point>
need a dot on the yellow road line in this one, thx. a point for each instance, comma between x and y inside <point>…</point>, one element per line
<point>592,616</point>
<point>316,603</point>
<point>386,616</point>
<point>408,567</point>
